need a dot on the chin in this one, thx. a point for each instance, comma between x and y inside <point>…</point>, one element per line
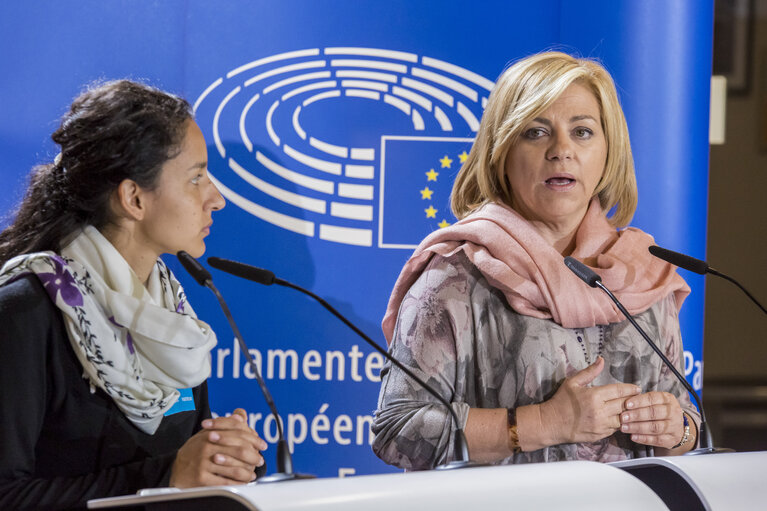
<point>196,251</point>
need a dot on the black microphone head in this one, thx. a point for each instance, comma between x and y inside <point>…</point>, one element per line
<point>195,269</point>
<point>683,261</point>
<point>583,272</point>
<point>243,270</point>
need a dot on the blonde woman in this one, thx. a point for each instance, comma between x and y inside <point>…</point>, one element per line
<point>538,366</point>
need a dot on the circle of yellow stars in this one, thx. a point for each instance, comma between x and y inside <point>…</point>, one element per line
<point>426,194</point>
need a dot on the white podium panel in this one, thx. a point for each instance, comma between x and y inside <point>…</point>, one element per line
<point>726,481</point>
<point>572,485</point>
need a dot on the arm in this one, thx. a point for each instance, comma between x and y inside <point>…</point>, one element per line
<point>576,413</point>
<point>37,375</point>
<point>434,323</point>
<point>226,452</point>
<point>412,429</point>
<point>31,364</point>
<point>655,418</point>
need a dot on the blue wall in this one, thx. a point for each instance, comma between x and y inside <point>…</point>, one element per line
<point>658,51</point>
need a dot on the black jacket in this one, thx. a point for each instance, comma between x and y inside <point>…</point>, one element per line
<point>60,444</point>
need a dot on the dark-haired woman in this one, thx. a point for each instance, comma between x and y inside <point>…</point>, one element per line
<point>103,366</point>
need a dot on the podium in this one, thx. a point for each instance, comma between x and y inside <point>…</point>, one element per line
<point>728,481</point>
<point>572,485</point>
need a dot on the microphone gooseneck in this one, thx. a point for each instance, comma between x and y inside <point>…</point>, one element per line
<point>697,266</point>
<point>681,260</point>
<point>283,457</point>
<point>256,274</point>
<point>245,271</point>
<point>591,278</point>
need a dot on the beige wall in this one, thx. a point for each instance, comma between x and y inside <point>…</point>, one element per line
<point>735,335</point>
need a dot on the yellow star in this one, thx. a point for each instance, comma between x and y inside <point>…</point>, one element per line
<point>431,175</point>
<point>426,193</point>
<point>444,223</point>
<point>462,157</point>
<point>431,212</point>
<point>445,162</point>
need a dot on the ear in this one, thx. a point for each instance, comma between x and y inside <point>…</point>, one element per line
<point>129,200</point>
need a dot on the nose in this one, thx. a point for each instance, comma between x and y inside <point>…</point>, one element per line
<point>216,200</point>
<point>561,148</point>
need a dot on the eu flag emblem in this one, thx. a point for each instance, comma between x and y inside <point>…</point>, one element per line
<point>417,175</point>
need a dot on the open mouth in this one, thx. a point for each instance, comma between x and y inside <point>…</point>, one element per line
<point>559,181</point>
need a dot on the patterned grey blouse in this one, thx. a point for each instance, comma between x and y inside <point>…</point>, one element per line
<point>459,334</point>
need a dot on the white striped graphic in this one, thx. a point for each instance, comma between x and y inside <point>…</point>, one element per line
<point>293,166</point>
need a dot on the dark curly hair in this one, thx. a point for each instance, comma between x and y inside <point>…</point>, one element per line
<point>114,131</point>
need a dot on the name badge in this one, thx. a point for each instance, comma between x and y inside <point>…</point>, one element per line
<point>184,403</point>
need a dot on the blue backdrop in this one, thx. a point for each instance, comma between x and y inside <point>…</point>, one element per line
<point>335,130</point>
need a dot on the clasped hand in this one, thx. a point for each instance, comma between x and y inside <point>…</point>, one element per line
<point>580,413</point>
<point>226,451</point>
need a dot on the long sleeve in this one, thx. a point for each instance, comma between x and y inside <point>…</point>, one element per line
<point>61,444</point>
<point>413,430</point>
<point>459,334</point>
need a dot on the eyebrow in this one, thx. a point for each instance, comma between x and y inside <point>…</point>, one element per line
<point>575,118</point>
<point>200,165</point>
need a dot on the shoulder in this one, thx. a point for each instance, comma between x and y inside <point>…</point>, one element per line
<point>452,281</point>
<point>454,270</point>
<point>26,296</point>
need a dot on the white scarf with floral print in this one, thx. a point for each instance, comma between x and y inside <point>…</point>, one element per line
<point>137,343</point>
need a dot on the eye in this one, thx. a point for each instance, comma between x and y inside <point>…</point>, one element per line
<point>534,133</point>
<point>582,132</point>
<point>196,179</point>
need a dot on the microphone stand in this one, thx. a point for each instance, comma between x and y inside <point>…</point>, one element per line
<point>283,456</point>
<point>697,266</point>
<point>594,280</point>
<point>268,278</point>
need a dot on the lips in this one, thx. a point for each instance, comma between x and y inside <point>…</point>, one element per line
<point>560,182</point>
<point>561,179</point>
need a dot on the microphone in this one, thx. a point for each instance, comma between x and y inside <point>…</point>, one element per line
<point>591,278</point>
<point>700,267</point>
<point>284,459</point>
<point>268,278</point>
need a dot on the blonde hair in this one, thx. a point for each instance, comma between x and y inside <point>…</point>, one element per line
<point>523,92</point>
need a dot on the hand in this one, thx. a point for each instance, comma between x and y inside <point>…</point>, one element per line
<point>225,452</point>
<point>654,418</point>
<point>580,413</point>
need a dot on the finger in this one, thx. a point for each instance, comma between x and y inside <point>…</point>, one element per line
<point>236,422</point>
<point>240,412</point>
<point>660,427</point>
<point>650,413</point>
<point>617,392</point>
<point>231,461</point>
<point>586,376</point>
<point>230,422</point>
<point>648,399</point>
<point>235,447</point>
<point>242,457</point>
<point>654,440</point>
<point>236,438</point>
<point>239,475</point>
<point>232,438</point>
<point>615,407</point>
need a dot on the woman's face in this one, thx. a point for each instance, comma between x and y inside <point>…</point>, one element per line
<point>179,209</point>
<point>556,164</point>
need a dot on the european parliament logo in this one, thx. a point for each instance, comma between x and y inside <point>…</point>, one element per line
<point>358,146</point>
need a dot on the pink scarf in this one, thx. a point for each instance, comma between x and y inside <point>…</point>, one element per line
<point>515,259</point>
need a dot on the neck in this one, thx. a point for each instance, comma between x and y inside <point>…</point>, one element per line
<point>136,254</point>
<point>562,238</point>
